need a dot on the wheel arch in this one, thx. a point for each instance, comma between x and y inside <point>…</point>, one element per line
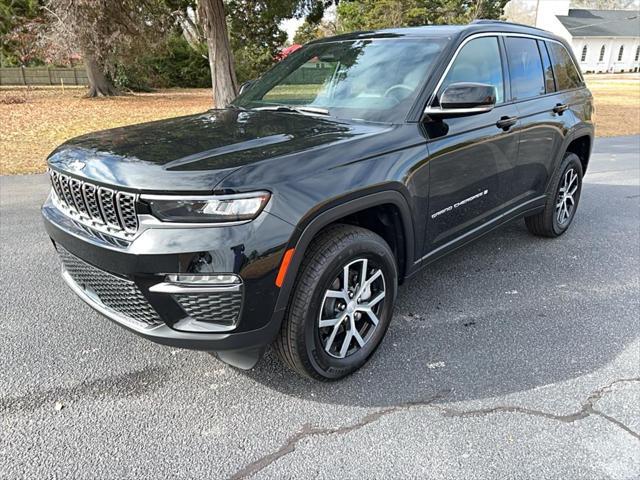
<point>581,145</point>
<point>348,210</point>
<point>578,141</point>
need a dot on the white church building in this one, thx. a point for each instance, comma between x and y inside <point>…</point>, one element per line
<point>602,40</point>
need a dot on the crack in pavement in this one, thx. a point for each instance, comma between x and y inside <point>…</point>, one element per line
<point>588,408</point>
<point>307,431</point>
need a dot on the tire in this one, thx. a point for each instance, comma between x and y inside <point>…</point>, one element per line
<point>553,222</point>
<point>317,351</point>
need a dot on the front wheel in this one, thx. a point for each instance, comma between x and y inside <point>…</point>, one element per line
<point>341,305</point>
<point>562,201</point>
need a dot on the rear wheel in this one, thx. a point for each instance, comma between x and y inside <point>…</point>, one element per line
<point>341,305</point>
<point>562,201</point>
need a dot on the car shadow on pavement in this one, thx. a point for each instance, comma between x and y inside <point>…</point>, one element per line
<point>508,313</point>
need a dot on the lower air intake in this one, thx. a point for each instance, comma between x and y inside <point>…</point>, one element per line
<point>220,308</point>
<point>116,293</point>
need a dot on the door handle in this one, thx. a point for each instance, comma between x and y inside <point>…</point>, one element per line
<point>505,123</point>
<point>560,108</point>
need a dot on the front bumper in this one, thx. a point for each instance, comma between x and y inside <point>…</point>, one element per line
<point>253,251</point>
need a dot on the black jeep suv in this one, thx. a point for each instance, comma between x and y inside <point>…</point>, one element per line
<point>290,217</point>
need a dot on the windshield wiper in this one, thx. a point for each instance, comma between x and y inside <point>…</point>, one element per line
<point>290,108</point>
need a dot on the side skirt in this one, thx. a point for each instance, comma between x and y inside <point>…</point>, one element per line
<point>529,207</point>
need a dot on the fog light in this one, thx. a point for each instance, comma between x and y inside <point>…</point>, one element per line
<point>204,279</point>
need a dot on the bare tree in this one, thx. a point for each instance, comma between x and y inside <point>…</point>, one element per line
<point>223,75</point>
<point>521,11</point>
<point>107,31</point>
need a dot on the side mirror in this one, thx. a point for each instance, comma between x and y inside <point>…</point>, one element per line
<point>462,99</point>
<point>245,86</point>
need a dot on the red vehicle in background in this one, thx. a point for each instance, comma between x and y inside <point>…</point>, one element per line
<point>285,52</point>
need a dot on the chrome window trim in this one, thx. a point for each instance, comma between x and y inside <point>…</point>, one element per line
<point>495,34</point>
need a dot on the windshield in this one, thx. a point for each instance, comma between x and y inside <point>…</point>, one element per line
<point>375,80</point>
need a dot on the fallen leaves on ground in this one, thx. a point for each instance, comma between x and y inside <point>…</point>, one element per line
<point>31,130</point>
<point>48,116</point>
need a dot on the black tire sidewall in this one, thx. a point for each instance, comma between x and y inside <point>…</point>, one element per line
<point>326,365</point>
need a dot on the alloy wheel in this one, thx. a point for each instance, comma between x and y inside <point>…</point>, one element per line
<point>350,308</point>
<point>566,201</point>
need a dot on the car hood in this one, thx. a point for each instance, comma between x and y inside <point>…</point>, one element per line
<point>194,153</point>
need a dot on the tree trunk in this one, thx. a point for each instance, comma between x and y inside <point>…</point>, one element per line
<point>99,84</point>
<point>223,74</point>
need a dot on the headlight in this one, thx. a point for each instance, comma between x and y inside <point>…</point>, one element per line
<point>210,209</point>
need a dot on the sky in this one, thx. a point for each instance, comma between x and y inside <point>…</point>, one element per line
<point>292,24</point>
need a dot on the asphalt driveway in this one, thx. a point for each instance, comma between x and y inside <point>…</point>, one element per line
<point>516,357</point>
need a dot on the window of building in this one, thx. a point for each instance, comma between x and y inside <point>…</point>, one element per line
<point>478,61</point>
<point>564,69</point>
<point>637,53</point>
<point>525,68</point>
<point>583,57</point>
<point>620,53</point>
<point>601,58</point>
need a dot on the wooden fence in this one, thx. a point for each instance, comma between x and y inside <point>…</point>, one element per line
<point>43,76</point>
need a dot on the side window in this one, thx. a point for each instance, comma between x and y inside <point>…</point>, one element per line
<point>567,76</point>
<point>478,61</point>
<point>549,82</point>
<point>525,68</point>
<point>601,57</point>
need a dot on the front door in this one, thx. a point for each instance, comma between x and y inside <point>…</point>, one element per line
<point>471,158</point>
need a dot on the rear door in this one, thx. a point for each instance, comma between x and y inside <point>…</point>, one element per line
<point>471,158</point>
<point>572,99</point>
<point>541,128</point>
<point>542,76</point>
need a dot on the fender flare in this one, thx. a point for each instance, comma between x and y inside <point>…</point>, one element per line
<point>577,132</point>
<point>309,227</point>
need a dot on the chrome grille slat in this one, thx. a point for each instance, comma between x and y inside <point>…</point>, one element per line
<point>93,209</point>
<point>76,193</point>
<point>106,197</point>
<point>66,192</point>
<point>116,293</point>
<point>126,211</point>
<point>96,207</point>
<point>55,181</point>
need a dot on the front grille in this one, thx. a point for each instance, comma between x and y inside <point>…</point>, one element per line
<point>96,206</point>
<point>222,308</point>
<point>118,294</point>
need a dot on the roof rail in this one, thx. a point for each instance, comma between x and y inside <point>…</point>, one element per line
<point>484,21</point>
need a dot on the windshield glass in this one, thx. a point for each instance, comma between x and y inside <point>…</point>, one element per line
<point>375,80</point>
